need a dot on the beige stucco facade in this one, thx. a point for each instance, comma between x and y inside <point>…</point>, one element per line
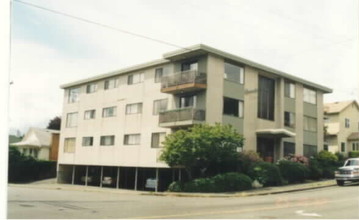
<point>342,122</point>
<point>210,95</point>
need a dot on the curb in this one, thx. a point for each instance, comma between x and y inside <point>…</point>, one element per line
<point>238,194</point>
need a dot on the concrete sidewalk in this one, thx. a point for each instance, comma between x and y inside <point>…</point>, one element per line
<point>51,184</point>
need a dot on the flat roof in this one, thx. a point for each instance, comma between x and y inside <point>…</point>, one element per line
<point>196,50</point>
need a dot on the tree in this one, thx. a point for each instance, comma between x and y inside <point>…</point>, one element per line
<point>55,123</point>
<point>203,150</point>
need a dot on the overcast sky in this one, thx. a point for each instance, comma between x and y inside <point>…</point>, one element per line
<point>315,40</point>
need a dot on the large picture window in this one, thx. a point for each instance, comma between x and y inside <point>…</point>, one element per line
<point>309,96</point>
<point>159,106</point>
<point>266,98</point>
<point>71,120</point>
<point>234,73</point>
<point>69,145</point>
<point>289,148</point>
<point>310,124</point>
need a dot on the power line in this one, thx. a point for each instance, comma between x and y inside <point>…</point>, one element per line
<point>100,24</point>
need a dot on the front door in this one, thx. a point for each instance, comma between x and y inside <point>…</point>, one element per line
<point>265,148</point>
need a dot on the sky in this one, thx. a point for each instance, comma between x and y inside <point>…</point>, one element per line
<point>315,40</point>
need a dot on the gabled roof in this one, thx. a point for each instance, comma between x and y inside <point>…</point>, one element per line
<point>336,107</point>
<point>197,50</point>
<point>37,137</point>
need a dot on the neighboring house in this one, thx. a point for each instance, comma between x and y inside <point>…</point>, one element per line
<point>342,125</point>
<point>14,139</point>
<point>114,123</point>
<point>40,143</point>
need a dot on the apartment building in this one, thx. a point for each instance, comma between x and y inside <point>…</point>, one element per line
<point>342,126</point>
<point>113,124</point>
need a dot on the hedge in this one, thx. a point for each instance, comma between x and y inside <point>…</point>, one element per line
<point>293,172</point>
<point>266,173</point>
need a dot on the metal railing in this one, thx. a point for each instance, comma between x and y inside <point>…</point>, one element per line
<point>182,114</point>
<point>185,77</point>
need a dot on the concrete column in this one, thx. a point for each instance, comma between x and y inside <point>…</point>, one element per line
<point>73,175</point>
<point>118,178</point>
<point>179,174</point>
<point>299,112</point>
<point>320,122</point>
<point>136,176</point>
<point>156,188</point>
<point>87,174</point>
<point>101,177</point>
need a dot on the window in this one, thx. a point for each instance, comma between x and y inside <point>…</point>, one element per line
<point>326,147</point>
<point>232,107</point>
<point>342,147</point>
<point>135,108</point>
<point>74,95</point>
<point>90,114</point>
<point>107,140</point>
<point>289,119</point>
<point>159,106</point>
<point>188,101</point>
<point>157,139</point>
<point>109,112</point>
<point>71,120</point>
<point>234,72</point>
<point>265,98</point>
<point>135,78</point>
<point>111,83</point>
<point>355,146</point>
<point>193,65</point>
<point>310,124</point>
<point>90,88</point>
<point>309,150</point>
<point>87,141</point>
<point>36,153</point>
<point>309,96</point>
<point>289,148</point>
<point>158,75</point>
<point>347,123</point>
<point>69,145</point>
<point>289,90</point>
<point>132,139</point>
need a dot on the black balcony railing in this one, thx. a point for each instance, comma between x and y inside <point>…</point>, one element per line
<point>183,114</point>
<point>185,77</point>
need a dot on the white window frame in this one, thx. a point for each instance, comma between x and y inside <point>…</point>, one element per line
<point>110,83</point>
<point>134,108</point>
<point>70,145</point>
<point>71,119</point>
<point>291,119</point>
<point>90,114</point>
<point>159,105</point>
<point>135,78</point>
<point>310,96</point>
<point>107,140</point>
<point>347,122</point>
<point>91,88</point>
<point>74,95</point>
<point>160,136</point>
<point>241,73</point>
<point>109,112</point>
<point>289,90</point>
<point>132,139</point>
<point>87,141</point>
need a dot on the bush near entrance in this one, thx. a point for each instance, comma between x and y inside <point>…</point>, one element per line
<point>25,169</point>
<point>266,173</point>
<point>293,172</point>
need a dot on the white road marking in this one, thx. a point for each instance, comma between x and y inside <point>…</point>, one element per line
<point>301,212</point>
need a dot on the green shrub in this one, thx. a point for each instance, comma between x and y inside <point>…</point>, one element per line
<point>246,159</point>
<point>327,158</point>
<point>353,154</point>
<point>315,169</point>
<point>227,182</point>
<point>292,171</point>
<point>176,186</point>
<point>266,173</point>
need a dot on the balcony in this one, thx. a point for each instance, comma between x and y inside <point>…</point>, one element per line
<point>186,81</point>
<point>181,117</point>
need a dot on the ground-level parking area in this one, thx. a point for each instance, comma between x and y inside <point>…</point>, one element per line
<point>39,203</point>
<point>136,178</point>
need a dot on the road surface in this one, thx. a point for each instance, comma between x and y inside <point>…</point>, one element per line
<point>329,202</point>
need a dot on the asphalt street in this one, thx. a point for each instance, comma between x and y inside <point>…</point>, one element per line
<point>323,203</point>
